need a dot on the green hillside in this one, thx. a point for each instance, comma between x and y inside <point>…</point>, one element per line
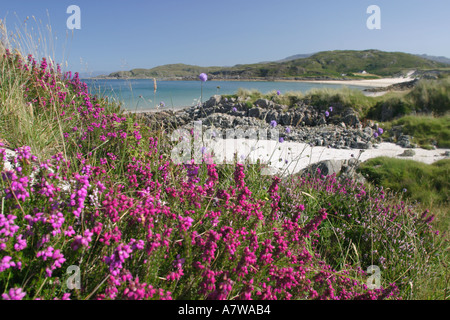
<point>166,71</point>
<point>327,64</point>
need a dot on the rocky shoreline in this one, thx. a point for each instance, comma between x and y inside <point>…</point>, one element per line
<point>340,128</point>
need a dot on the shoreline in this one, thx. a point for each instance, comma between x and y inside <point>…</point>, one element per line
<point>382,82</point>
<point>372,83</point>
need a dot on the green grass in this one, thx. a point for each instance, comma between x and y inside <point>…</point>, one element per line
<point>426,183</point>
<point>428,96</point>
<point>427,130</point>
<point>425,187</point>
<point>20,122</point>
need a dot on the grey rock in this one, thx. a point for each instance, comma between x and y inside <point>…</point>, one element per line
<point>213,101</point>
<point>255,112</point>
<point>351,118</point>
<point>263,103</point>
<point>408,153</point>
<point>327,167</point>
<point>272,115</point>
<point>286,119</point>
<point>404,141</point>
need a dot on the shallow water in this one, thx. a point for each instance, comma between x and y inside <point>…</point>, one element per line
<point>138,95</point>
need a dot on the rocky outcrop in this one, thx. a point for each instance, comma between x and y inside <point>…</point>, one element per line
<point>340,128</point>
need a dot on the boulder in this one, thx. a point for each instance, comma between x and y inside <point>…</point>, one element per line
<point>263,103</point>
<point>286,119</point>
<point>213,101</point>
<point>407,153</point>
<point>255,112</point>
<point>351,118</point>
<point>404,141</point>
<point>326,167</point>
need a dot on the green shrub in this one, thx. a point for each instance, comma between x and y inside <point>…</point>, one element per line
<point>419,181</point>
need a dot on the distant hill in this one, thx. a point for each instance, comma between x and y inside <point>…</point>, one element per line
<point>295,57</point>
<point>322,65</point>
<point>434,58</point>
<point>178,70</point>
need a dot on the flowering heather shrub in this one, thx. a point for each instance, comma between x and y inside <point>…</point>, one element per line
<point>139,226</point>
<point>372,226</point>
<point>192,240</point>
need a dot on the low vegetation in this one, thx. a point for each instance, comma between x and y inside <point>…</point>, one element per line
<point>92,189</point>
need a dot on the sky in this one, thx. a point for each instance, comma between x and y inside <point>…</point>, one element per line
<point>122,35</point>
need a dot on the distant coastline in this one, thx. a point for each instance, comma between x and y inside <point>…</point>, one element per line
<point>374,83</point>
<point>380,82</point>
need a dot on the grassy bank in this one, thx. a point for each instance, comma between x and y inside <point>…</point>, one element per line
<point>427,130</point>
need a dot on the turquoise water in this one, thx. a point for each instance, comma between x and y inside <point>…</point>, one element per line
<point>139,94</point>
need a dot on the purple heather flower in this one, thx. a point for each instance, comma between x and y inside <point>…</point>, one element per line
<point>203,149</point>
<point>331,109</point>
<point>234,109</point>
<point>203,77</point>
<point>327,113</point>
<point>380,131</point>
<point>273,123</point>
<point>14,294</point>
<point>288,130</point>
<point>375,135</point>
<point>162,104</point>
<point>278,92</point>
<point>178,262</point>
<point>281,140</point>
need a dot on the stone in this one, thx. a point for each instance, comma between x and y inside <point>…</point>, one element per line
<point>327,167</point>
<point>404,141</point>
<point>272,115</point>
<point>255,112</point>
<point>213,101</point>
<point>408,153</point>
<point>351,118</point>
<point>286,119</point>
<point>263,103</point>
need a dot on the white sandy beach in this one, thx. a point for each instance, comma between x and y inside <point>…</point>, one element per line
<point>291,157</point>
<point>385,82</point>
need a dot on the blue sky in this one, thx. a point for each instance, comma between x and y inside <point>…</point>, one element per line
<point>121,35</point>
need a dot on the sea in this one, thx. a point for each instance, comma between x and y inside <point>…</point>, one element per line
<point>139,95</point>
